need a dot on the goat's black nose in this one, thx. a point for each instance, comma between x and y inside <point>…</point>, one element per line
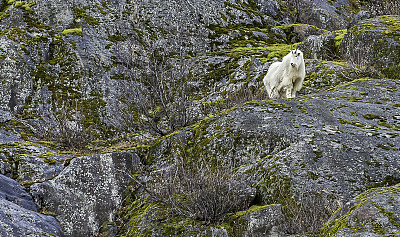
<point>292,64</point>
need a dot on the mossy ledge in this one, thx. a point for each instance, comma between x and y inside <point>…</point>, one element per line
<point>334,226</point>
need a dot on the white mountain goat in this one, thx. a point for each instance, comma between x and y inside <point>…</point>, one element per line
<point>285,78</point>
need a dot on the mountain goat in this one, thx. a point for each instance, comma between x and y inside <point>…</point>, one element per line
<point>285,78</point>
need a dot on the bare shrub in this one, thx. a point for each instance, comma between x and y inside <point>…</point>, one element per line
<point>200,191</point>
<point>157,98</point>
<point>245,93</point>
<point>306,211</point>
<point>66,130</point>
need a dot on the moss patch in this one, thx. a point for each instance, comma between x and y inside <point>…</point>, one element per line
<point>76,31</point>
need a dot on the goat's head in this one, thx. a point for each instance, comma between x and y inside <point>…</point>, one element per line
<point>296,57</point>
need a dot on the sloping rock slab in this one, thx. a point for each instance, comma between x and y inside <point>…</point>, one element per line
<point>342,141</point>
<point>12,191</point>
<point>88,192</point>
<point>16,221</point>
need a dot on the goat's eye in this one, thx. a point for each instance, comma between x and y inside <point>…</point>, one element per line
<point>298,54</point>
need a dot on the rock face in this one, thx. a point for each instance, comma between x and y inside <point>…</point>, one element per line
<point>18,216</point>
<point>79,63</point>
<point>88,192</point>
<point>57,55</point>
<point>320,47</point>
<point>340,141</point>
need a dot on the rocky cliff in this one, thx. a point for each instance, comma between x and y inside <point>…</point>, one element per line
<point>149,118</point>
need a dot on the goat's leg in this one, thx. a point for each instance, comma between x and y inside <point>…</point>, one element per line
<point>289,91</point>
<point>273,93</point>
<point>297,86</point>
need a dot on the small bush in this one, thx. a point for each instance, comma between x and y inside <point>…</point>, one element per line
<point>305,212</point>
<point>199,191</point>
<point>308,212</point>
<point>243,94</point>
<point>67,132</point>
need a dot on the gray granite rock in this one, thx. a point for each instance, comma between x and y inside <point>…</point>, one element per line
<point>5,116</point>
<point>88,192</point>
<point>265,222</point>
<point>324,14</point>
<point>18,213</point>
<point>12,191</point>
<point>320,47</point>
<point>16,221</point>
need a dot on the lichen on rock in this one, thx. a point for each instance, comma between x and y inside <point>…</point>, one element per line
<point>374,212</point>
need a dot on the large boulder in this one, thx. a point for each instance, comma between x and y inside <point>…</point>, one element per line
<point>374,42</point>
<point>18,213</point>
<point>320,47</point>
<point>320,132</point>
<point>88,192</point>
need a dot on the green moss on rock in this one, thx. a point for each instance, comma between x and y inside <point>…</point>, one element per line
<point>347,220</point>
<point>76,31</point>
<point>371,116</point>
<point>339,38</point>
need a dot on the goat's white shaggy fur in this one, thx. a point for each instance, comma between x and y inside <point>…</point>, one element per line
<point>285,78</point>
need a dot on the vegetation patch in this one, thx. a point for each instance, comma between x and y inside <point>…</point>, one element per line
<point>392,72</point>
